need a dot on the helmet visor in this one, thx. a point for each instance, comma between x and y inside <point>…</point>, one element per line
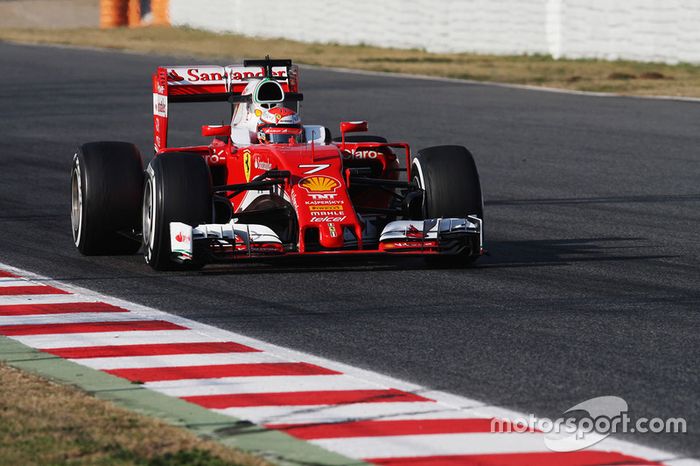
<point>283,135</point>
<point>284,138</point>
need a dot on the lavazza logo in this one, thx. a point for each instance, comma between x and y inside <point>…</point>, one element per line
<point>587,423</point>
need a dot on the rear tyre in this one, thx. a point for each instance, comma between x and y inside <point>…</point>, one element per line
<point>178,188</point>
<point>451,188</point>
<point>106,188</point>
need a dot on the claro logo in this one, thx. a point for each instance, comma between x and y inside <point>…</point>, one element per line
<point>361,154</point>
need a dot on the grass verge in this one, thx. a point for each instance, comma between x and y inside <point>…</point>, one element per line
<point>42,422</point>
<point>622,77</point>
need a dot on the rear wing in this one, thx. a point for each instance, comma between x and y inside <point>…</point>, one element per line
<point>211,83</point>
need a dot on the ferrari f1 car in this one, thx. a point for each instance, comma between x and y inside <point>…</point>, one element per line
<point>268,186</point>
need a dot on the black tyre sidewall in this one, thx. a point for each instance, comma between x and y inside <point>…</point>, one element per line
<point>451,188</point>
<point>180,186</point>
<point>111,184</point>
<point>450,180</point>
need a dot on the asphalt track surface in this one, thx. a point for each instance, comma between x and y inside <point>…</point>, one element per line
<point>592,214</point>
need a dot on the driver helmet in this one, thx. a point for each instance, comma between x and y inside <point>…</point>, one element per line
<point>279,125</point>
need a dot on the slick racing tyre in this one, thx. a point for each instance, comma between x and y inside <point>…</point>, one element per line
<point>451,188</point>
<point>106,188</point>
<point>177,189</point>
<point>450,181</point>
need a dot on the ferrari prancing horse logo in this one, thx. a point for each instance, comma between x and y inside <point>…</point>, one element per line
<point>246,165</point>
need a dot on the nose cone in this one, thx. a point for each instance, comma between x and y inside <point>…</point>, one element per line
<point>330,235</point>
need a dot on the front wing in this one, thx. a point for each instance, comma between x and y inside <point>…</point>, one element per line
<point>233,241</point>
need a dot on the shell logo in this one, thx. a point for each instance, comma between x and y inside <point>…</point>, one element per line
<point>319,184</point>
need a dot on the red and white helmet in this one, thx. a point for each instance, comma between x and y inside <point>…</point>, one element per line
<point>280,125</point>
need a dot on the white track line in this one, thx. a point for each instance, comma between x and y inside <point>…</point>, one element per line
<point>340,413</point>
<point>14,281</point>
<point>434,445</point>
<point>439,444</point>
<point>139,337</point>
<point>69,318</point>
<point>271,384</point>
<point>175,360</point>
<point>45,299</point>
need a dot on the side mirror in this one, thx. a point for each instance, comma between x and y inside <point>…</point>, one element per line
<point>216,130</point>
<point>351,127</point>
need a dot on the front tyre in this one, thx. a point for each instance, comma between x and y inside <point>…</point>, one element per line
<point>106,187</point>
<point>178,188</point>
<point>450,181</point>
<point>451,188</point>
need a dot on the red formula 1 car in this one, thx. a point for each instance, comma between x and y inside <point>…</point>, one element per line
<point>267,185</point>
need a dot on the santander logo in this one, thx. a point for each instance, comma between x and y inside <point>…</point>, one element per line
<point>180,238</point>
<point>173,76</point>
<point>413,232</point>
<point>196,75</point>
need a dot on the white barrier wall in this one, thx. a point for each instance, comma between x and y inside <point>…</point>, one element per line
<point>646,30</point>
